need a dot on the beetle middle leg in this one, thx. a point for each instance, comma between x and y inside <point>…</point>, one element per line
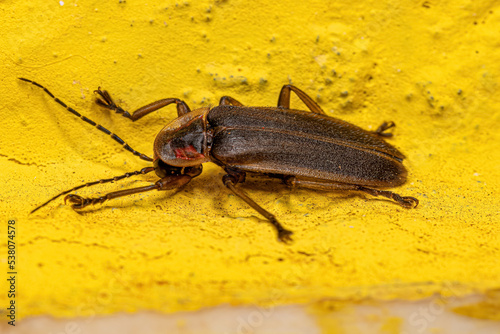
<point>284,99</point>
<point>406,202</point>
<point>231,179</point>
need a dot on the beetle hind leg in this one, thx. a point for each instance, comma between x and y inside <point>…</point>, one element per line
<point>105,100</point>
<point>406,202</point>
<point>231,179</point>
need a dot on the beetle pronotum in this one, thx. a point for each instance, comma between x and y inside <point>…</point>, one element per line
<point>302,148</point>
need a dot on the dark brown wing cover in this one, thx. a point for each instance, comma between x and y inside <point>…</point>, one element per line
<point>300,143</point>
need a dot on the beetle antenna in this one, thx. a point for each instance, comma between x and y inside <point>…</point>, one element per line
<point>88,184</point>
<point>91,122</point>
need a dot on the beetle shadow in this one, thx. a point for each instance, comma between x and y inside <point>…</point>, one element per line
<point>256,186</point>
<point>259,189</point>
<point>276,193</point>
<point>290,197</point>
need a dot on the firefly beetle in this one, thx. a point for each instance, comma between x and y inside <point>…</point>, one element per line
<point>302,148</point>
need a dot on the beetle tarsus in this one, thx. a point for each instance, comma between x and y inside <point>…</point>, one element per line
<point>284,99</point>
<point>107,102</point>
<point>406,202</point>
<point>409,202</point>
<point>78,202</point>
<point>284,235</point>
<point>383,127</point>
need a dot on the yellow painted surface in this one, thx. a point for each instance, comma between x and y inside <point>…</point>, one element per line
<point>433,68</point>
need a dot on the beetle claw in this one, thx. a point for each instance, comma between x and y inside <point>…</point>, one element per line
<point>383,127</point>
<point>106,101</point>
<point>285,236</point>
<point>409,202</point>
<point>77,202</point>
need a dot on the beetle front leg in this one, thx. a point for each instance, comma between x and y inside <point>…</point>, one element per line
<point>231,179</point>
<point>406,202</point>
<point>106,101</point>
<point>166,183</point>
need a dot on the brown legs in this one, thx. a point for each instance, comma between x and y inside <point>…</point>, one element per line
<point>166,183</point>
<point>284,102</point>
<point>284,99</point>
<point>231,179</point>
<point>234,177</point>
<point>406,202</point>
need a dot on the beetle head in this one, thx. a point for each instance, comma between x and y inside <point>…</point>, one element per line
<point>164,170</point>
<point>183,142</point>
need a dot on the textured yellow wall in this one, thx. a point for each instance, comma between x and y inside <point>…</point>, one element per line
<point>432,67</point>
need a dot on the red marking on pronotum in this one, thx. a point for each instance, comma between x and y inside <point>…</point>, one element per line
<point>188,153</point>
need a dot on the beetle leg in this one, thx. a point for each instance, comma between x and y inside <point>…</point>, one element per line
<point>284,99</point>
<point>407,202</point>
<point>88,184</point>
<point>293,181</point>
<point>229,101</point>
<point>231,179</point>
<point>166,183</point>
<point>106,101</point>
<point>383,127</point>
